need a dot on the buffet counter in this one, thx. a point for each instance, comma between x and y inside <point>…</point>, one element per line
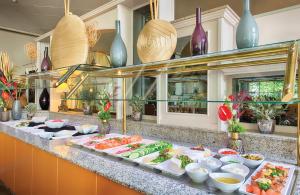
<point>57,167</point>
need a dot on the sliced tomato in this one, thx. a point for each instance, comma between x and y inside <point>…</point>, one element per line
<point>249,188</point>
<point>256,190</point>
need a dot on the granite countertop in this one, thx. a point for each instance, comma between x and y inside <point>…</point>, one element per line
<point>125,173</point>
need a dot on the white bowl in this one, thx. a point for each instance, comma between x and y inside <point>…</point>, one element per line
<point>225,187</point>
<point>197,172</point>
<point>46,135</point>
<point>55,123</point>
<point>231,159</point>
<point>236,169</point>
<point>253,163</point>
<point>39,119</point>
<point>64,133</point>
<point>85,129</point>
<point>226,149</point>
<point>212,163</point>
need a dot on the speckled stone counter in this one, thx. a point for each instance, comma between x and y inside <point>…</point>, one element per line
<point>285,147</point>
<point>125,173</point>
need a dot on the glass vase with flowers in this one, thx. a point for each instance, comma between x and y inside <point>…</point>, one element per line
<point>11,90</point>
<point>104,107</point>
<point>230,112</point>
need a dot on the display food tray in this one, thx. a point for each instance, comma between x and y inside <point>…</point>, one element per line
<point>285,190</point>
<point>167,167</point>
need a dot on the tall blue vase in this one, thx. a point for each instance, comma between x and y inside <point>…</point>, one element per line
<point>118,52</point>
<point>247,34</point>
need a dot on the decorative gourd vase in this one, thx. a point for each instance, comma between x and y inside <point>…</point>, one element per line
<point>46,63</point>
<point>104,127</point>
<point>118,52</point>
<point>235,143</point>
<point>199,42</point>
<point>44,99</point>
<point>16,111</point>
<point>247,33</point>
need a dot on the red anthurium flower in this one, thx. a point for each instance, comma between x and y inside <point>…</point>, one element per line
<point>231,97</point>
<point>225,113</point>
<point>107,106</point>
<point>5,95</point>
<point>3,80</point>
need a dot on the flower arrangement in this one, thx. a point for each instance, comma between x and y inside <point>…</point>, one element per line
<point>230,112</point>
<point>104,106</point>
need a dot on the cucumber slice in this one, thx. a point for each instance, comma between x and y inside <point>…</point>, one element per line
<point>134,155</point>
<point>126,154</point>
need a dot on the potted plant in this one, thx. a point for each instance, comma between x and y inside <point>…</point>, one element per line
<point>104,107</point>
<point>230,113</point>
<point>10,89</point>
<point>4,113</point>
<point>266,113</point>
<point>88,97</point>
<point>31,109</point>
<point>137,104</point>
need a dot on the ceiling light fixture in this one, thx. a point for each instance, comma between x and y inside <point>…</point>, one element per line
<point>14,1</point>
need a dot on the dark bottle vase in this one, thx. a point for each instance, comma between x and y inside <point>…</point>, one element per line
<point>46,63</point>
<point>247,33</point>
<point>118,52</point>
<point>44,99</point>
<point>199,42</point>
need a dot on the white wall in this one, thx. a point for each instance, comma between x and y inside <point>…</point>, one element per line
<point>105,20</point>
<point>279,25</point>
<point>13,43</point>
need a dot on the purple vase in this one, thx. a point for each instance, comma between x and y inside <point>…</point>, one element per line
<point>46,63</point>
<point>199,43</point>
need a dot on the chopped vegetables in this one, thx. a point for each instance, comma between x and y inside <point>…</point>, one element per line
<point>252,157</point>
<point>148,149</point>
<point>185,160</point>
<point>199,148</point>
<point>162,157</point>
<point>228,152</point>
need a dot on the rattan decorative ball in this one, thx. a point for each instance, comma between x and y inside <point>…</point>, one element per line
<point>157,41</point>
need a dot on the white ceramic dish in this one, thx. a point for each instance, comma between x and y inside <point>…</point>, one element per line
<point>285,191</point>
<point>231,159</point>
<point>253,163</point>
<point>64,133</point>
<point>226,149</point>
<point>225,187</point>
<point>236,169</point>
<point>46,135</point>
<point>85,129</point>
<point>212,163</point>
<point>197,172</point>
<point>39,119</point>
<point>56,123</point>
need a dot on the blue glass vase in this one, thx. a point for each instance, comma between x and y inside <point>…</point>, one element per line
<point>118,52</point>
<point>247,34</point>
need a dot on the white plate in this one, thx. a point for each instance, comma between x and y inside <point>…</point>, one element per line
<point>82,141</point>
<point>285,190</point>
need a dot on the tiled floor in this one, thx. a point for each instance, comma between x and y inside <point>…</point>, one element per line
<point>4,190</point>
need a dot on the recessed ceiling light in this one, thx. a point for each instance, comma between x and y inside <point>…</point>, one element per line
<point>14,1</point>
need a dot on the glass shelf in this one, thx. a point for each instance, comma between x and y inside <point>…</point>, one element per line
<point>294,101</point>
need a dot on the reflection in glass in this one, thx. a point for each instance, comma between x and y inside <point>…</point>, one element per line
<point>187,93</point>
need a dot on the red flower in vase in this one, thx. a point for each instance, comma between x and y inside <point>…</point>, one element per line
<point>225,113</point>
<point>107,106</point>
<point>5,95</point>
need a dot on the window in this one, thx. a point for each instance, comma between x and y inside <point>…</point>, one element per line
<point>265,86</point>
<point>187,93</point>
